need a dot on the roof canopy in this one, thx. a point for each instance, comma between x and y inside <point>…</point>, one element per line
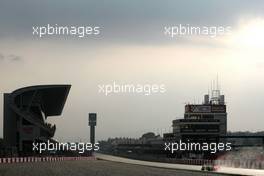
<point>53,97</point>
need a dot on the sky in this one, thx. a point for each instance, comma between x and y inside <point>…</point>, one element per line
<point>132,49</point>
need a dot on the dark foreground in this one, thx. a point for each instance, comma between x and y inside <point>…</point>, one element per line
<point>89,168</point>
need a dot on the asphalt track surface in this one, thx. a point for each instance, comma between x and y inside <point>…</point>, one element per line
<point>221,170</point>
<point>90,168</point>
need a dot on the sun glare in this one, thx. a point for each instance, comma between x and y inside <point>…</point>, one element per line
<point>250,35</point>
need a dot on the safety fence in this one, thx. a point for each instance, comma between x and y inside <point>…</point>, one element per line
<point>250,164</point>
<point>188,161</point>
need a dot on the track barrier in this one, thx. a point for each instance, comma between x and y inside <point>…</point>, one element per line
<point>42,159</point>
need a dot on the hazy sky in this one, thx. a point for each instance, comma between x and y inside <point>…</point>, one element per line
<point>132,49</point>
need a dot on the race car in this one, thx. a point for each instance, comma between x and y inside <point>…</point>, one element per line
<point>210,167</point>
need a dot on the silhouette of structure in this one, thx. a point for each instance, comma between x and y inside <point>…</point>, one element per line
<point>25,114</point>
<point>92,124</point>
<point>206,121</point>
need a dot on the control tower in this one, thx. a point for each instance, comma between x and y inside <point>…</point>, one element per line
<point>92,124</point>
